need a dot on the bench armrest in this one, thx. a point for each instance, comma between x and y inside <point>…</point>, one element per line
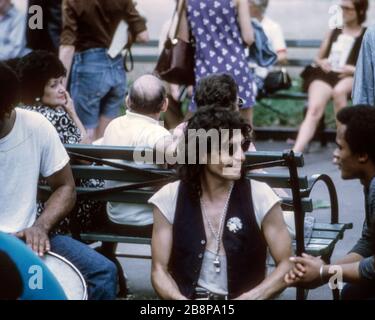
<point>331,190</point>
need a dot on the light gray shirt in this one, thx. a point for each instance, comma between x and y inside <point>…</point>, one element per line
<point>209,279</point>
<point>364,81</point>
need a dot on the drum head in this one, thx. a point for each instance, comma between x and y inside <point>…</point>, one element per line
<point>67,275</point>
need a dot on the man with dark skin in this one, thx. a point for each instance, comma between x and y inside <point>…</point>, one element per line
<point>355,157</point>
<point>30,147</point>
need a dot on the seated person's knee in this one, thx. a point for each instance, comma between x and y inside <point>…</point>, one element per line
<point>339,93</point>
<point>314,114</point>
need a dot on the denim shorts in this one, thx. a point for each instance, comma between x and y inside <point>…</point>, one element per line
<point>98,86</point>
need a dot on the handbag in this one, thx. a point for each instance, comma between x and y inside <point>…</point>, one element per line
<point>277,80</point>
<point>176,62</point>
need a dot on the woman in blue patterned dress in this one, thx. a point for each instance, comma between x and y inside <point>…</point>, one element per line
<point>222,31</point>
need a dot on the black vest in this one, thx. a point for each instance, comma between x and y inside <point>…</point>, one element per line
<point>245,250</point>
<point>353,56</point>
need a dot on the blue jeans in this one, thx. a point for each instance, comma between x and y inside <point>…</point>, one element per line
<point>100,273</point>
<point>98,86</point>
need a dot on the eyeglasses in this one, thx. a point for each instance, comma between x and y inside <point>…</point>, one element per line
<point>345,8</point>
<point>240,102</point>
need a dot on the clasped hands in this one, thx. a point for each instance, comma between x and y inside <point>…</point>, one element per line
<point>306,272</point>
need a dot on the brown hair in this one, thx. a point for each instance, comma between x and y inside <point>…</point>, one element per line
<point>361,7</point>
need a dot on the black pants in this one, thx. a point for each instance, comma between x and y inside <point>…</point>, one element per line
<point>360,291</point>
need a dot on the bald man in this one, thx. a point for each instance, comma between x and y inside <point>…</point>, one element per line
<point>139,127</point>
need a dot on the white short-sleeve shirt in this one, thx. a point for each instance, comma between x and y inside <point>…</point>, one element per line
<point>31,149</point>
<point>132,130</point>
<point>264,199</point>
<point>274,33</point>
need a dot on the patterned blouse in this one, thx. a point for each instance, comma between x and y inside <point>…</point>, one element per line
<point>60,119</point>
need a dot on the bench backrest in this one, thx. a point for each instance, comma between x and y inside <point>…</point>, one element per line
<point>288,180</point>
<point>148,52</point>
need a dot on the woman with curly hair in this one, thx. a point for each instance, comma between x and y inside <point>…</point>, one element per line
<point>212,227</point>
<point>41,75</point>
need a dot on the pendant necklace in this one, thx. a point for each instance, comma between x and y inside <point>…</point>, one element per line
<point>217,233</point>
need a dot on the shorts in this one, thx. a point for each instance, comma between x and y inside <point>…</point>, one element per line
<point>316,73</point>
<point>98,86</point>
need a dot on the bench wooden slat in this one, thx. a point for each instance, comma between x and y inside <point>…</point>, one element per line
<point>339,227</point>
<point>322,234</point>
<point>131,196</point>
<point>285,95</point>
<point>145,58</point>
<point>101,172</point>
<point>151,43</point>
<point>107,173</point>
<point>114,238</point>
<point>278,180</point>
<point>299,62</point>
<point>323,250</point>
<point>303,43</point>
<point>127,153</point>
<point>320,241</point>
<point>290,43</point>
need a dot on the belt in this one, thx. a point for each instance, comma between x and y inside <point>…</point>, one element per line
<point>204,294</point>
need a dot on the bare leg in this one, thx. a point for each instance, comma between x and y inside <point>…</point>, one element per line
<point>103,123</point>
<point>340,93</point>
<point>247,114</point>
<point>319,95</point>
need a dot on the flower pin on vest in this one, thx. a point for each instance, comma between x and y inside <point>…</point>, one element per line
<point>234,224</point>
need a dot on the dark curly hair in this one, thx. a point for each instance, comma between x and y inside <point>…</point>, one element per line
<point>9,90</point>
<point>207,118</point>
<point>216,89</point>
<point>360,129</point>
<point>35,70</point>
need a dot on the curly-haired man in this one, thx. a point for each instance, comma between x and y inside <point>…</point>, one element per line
<point>212,227</point>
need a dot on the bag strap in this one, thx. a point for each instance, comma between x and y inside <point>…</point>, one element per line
<point>179,11</point>
<point>172,21</point>
<point>128,54</point>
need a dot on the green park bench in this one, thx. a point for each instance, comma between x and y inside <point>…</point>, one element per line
<point>144,182</point>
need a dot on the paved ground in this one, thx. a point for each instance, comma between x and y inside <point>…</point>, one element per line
<point>317,161</point>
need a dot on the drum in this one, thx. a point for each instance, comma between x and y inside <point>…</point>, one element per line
<point>70,279</point>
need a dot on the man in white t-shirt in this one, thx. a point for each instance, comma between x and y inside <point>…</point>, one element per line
<point>30,147</point>
<point>139,127</point>
<point>213,226</point>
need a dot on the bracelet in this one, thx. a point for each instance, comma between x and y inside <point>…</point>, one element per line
<point>321,271</point>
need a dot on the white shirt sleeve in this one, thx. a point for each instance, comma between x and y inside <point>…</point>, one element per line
<point>166,200</point>
<point>275,34</point>
<point>264,199</point>
<point>54,156</point>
